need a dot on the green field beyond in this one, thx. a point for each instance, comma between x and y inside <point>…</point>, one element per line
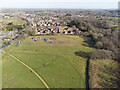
<point>42,12</point>
<point>54,60</point>
<point>14,20</point>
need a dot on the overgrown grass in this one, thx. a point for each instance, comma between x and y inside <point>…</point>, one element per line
<point>104,74</point>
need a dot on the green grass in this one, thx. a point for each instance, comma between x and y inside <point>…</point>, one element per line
<point>9,19</point>
<point>65,40</point>
<point>15,20</point>
<point>109,18</point>
<point>15,75</point>
<point>56,63</point>
<point>42,12</point>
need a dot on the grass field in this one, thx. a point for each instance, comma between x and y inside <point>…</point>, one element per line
<point>109,18</point>
<point>42,12</point>
<point>15,20</point>
<point>55,62</point>
<point>16,75</point>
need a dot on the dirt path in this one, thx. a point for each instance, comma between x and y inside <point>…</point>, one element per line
<point>28,68</point>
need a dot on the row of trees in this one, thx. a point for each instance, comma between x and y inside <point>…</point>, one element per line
<point>13,27</point>
<point>79,24</point>
<point>108,41</point>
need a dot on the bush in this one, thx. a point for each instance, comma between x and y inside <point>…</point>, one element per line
<point>99,45</point>
<point>24,36</point>
<point>100,35</point>
<point>29,31</point>
<point>4,42</point>
<point>95,36</point>
<point>102,54</point>
<point>68,14</point>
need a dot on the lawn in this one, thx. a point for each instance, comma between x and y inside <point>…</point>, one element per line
<point>55,62</point>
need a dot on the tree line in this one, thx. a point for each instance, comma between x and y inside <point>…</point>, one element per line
<point>11,27</point>
<point>104,34</point>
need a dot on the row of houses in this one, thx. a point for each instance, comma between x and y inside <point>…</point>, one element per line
<point>49,26</point>
<point>44,24</point>
<point>62,30</point>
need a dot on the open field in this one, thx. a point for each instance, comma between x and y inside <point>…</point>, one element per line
<point>65,40</point>
<point>14,20</point>
<point>16,75</point>
<point>55,62</point>
<point>109,18</point>
<point>42,12</point>
<point>9,19</point>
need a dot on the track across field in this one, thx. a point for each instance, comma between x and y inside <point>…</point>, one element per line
<point>28,68</point>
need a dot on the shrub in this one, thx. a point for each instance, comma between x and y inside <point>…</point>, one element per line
<point>68,14</point>
<point>29,31</point>
<point>101,54</point>
<point>100,35</point>
<point>4,42</point>
<point>95,36</point>
<point>99,45</point>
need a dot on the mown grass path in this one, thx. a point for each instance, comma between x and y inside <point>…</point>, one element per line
<point>29,68</point>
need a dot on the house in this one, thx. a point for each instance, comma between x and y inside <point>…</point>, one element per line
<point>66,32</point>
<point>33,24</point>
<point>6,39</point>
<point>72,33</point>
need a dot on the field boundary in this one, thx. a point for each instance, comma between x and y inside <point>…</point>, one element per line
<point>41,79</point>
